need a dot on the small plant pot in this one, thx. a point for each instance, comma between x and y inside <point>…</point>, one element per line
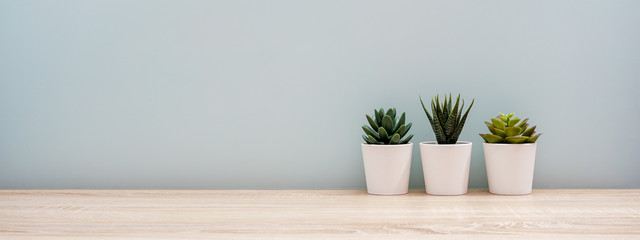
<point>510,167</point>
<point>446,167</point>
<point>386,168</point>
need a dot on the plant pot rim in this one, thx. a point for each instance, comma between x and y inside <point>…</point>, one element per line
<point>507,144</point>
<point>386,145</point>
<point>435,143</point>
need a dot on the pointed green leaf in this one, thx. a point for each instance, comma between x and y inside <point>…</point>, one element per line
<point>426,112</point>
<point>395,139</point>
<point>439,112</point>
<point>400,130</point>
<point>522,124</point>
<point>534,138</point>
<point>456,133</point>
<point>380,116</point>
<point>431,121</point>
<point>449,105</point>
<point>497,123</point>
<point>372,140</point>
<point>400,122</point>
<point>524,128</point>
<point>406,140</point>
<point>529,131</point>
<point>406,129</point>
<point>370,131</point>
<point>498,132</point>
<point>489,125</point>
<point>513,122</point>
<point>450,127</point>
<point>490,138</point>
<point>437,127</point>
<point>512,131</point>
<point>372,123</point>
<point>366,138</point>
<point>516,139</point>
<point>510,115</point>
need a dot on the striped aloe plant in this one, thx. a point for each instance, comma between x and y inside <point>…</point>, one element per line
<point>447,120</point>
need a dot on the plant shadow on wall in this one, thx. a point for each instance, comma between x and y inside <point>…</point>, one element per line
<point>446,161</point>
<point>387,153</point>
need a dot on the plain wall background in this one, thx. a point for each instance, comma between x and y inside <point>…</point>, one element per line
<point>272,94</point>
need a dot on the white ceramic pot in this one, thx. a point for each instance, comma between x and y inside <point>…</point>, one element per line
<point>510,167</point>
<point>446,167</point>
<point>386,168</point>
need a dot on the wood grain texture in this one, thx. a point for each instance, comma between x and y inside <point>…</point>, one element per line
<point>311,214</point>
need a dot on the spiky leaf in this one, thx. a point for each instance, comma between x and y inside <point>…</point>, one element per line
<point>372,123</point>
<point>489,125</point>
<point>400,130</point>
<point>534,138</point>
<point>450,127</point>
<point>524,128</point>
<point>406,129</point>
<point>437,127</point>
<point>406,140</point>
<point>529,131</point>
<point>370,131</point>
<point>523,123</point>
<point>513,122</point>
<point>400,122</point>
<point>372,140</point>
<point>460,125</point>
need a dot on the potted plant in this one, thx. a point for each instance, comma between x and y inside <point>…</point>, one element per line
<point>387,153</point>
<point>445,162</point>
<point>509,154</point>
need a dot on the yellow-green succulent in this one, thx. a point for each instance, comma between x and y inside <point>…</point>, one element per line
<point>509,129</point>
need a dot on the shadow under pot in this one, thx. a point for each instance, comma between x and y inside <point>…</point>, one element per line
<point>446,167</point>
<point>510,167</point>
<point>387,168</point>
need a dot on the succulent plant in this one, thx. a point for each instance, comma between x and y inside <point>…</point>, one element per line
<point>385,128</point>
<point>447,121</point>
<point>509,129</point>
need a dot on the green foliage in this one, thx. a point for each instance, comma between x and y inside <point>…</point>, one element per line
<point>447,120</point>
<point>509,129</point>
<point>385,128</point>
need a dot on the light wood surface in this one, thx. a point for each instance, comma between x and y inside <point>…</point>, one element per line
<point>310,214</point>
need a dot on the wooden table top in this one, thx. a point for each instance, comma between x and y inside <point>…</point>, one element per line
<point>316,214</point>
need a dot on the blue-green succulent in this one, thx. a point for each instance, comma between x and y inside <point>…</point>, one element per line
<point>386,128</point>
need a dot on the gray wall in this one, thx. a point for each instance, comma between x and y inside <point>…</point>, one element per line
<point>272,94</point>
